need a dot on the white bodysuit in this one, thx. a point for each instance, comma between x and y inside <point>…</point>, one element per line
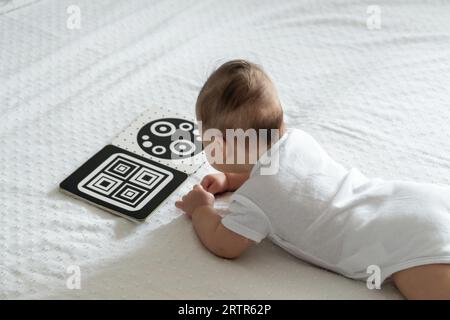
<point>339,219</point>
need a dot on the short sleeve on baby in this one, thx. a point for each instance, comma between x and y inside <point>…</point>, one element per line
<point>247,219</point>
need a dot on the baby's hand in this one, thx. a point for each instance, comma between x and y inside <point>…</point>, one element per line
<point>197,197</point>
<point>215,183</point>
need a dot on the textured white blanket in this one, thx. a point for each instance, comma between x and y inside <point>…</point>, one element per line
<point>375,98</point>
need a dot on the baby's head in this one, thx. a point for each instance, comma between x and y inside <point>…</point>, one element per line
<point>239,95</point>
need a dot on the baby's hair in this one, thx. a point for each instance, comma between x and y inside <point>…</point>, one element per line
<point>239,95</point>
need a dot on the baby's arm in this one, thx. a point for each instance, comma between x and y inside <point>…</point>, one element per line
<point>214,236</point>
<point>198,204</point>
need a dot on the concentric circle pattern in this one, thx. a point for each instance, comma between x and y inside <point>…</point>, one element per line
<point>170,138</point>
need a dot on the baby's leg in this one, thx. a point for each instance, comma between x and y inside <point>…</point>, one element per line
<point>424,282</point>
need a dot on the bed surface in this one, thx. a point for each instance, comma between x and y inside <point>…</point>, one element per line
<point>375,99</point>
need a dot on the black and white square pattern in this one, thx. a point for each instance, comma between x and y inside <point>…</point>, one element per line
<point>103,184</point>
<point>122,168</point>
<point>147,178</point>
<point>123,182</point>
<point>129,194</point>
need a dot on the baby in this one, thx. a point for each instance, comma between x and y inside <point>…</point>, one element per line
<point>307,203</point>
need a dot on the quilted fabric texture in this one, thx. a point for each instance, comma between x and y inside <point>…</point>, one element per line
<point>376,99</point>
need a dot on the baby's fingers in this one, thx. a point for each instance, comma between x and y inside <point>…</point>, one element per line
<point>198,187</point>
<point>214,188</point>
<point>179,204</point>
<point>206,182</point>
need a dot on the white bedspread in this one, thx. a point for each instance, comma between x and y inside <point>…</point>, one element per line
<point>377,99</point>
